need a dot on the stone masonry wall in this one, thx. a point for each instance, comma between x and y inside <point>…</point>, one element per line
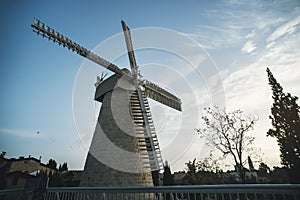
<point>113,158</point>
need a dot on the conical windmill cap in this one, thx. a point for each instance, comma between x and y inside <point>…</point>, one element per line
<point>113,82</point>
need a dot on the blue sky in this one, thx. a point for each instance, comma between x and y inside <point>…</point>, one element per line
<point>38,77</point>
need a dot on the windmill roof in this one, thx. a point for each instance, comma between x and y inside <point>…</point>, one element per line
<point>111,83</point>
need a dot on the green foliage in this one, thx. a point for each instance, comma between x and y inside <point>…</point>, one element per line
<point>286,127</point>
<point>167,176</point>
<point>203,172</point>
<point>52,164</point>
<point>209,172</point>
<point>208,164</point>
<point>263,170</point>
<point>279,175</point>
<point>190,177</point>
<point>2,155</point>
<point>63,167</point>
<point>56,180</point>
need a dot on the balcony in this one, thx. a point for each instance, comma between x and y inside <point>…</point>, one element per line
<point>199,192</point>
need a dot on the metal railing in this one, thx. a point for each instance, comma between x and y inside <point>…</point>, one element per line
<point>199,192</point>
<point>11,194</point>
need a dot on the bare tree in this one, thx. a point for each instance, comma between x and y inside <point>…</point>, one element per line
<point>228,133</point>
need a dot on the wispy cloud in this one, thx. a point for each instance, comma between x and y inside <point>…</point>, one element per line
<point>23,133</point>
<point>249,47</point>
<point>214,37</point>
<point>288,28</point>
<point>251,35</point>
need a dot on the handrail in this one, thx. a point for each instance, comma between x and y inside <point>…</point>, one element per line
<point>9,191</point>
<point>185,188</point>
<point>230,191</point>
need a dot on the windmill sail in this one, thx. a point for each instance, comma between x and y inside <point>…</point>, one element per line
<point>46,31</point>
<point>129,46</point>
<point>160,95</point>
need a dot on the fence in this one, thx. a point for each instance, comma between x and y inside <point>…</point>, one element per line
<point>199,192</point>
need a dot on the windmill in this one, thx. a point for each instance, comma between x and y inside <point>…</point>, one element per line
<point>124,119</point>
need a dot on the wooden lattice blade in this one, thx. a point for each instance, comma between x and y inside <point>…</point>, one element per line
<point>129,46</point>
<point>42,29</point>
<point>160,95</point>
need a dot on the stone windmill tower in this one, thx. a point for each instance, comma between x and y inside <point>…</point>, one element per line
<point>124,149</point>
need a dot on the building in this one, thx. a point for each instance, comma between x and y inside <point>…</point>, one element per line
<point>22,172</point>
<point>249,175</point>
<point>71,178</point>
<point>28,165</point>
<point>16,179</point>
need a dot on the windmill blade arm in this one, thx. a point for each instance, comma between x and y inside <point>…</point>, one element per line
<point>129,46</point>
<point>161,95</point>
<point>46,31</point>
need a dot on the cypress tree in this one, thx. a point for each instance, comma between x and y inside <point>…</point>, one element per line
<point>167,178</point>
<point>250,163</point>
<point>286,127</point>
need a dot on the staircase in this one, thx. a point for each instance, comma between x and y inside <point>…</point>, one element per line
<point>148,142</point>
